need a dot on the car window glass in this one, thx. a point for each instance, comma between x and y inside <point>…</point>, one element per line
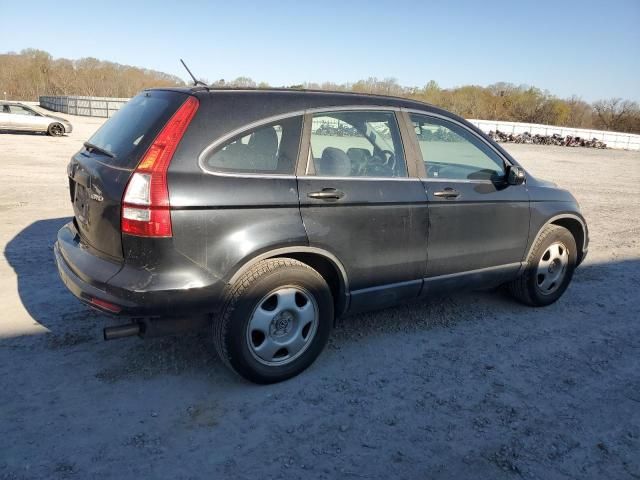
<point>269,149</point>
<point>19,110</point>
<point>135,125</point>
<point>452,152</point>
<point>356,144</point>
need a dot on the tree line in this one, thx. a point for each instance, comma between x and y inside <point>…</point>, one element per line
<point>508,102</point>
<point>31,73</point>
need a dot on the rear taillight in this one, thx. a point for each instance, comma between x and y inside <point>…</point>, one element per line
<point>145,204</point>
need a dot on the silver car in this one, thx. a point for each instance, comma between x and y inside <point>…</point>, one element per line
<point>18,116</point>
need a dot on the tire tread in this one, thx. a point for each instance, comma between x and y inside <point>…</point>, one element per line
<point>235,292</point>
<point>519,287</point>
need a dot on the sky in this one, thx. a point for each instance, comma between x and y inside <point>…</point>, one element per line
<point>584,48</point>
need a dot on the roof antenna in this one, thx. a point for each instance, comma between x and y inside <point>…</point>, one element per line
<point>195,81</point>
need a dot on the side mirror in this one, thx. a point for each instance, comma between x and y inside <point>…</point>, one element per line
<point>516,175</point>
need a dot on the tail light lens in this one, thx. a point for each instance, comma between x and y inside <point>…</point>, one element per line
<point>104,305</point>
<point>145,204</point>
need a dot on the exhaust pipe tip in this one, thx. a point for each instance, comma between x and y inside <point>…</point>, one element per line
<point>121,331</point>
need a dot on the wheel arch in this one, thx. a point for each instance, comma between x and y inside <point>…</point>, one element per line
<point>575,224</point>
<point>321,260</point>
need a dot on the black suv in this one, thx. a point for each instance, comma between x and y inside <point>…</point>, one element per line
<point>269,213</point>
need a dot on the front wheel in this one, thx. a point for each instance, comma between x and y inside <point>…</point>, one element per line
<point>549,268</point>
<point>275,321</point>
<point>55,130</point>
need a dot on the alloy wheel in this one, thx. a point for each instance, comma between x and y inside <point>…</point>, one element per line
<point>282,326</point>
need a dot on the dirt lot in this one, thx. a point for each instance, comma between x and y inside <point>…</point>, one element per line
<point>470,386</point>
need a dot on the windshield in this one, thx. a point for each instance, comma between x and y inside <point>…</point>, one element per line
<point>40,111</point>
<point>135,126</point>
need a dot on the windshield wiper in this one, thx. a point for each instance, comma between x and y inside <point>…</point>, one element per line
<point>92,147</point>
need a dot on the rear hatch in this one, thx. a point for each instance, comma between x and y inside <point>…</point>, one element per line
<point>99,172</point>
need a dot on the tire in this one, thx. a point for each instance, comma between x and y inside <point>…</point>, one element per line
<point>275,321</point>
<point>549,268</point>
<point>55,130</point>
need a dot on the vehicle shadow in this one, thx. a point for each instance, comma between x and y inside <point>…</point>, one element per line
<point>23,132</point>
<point>47,301</point>
<point>76,329</point>
<point>42,293</point>
<point>475,368</point>
<point>590,292</point>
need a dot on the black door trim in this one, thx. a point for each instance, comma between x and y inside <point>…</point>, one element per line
<point>381,296</point>
<point>480,278</point>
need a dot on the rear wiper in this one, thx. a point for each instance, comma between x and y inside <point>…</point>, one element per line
<point>92,147</point>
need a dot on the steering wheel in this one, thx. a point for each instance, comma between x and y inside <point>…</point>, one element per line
<point>433,170</point>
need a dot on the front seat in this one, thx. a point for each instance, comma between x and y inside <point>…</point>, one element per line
<point>360,158</point>
<point>333,163</point>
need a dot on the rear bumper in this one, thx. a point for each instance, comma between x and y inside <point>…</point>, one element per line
<point>83,290</point>
<point>117,288</point>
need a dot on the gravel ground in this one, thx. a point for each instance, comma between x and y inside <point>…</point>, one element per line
<point>468,386</point>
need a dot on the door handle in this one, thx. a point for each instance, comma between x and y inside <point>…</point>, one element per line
<point>447,193</point>
<point>327,194</point>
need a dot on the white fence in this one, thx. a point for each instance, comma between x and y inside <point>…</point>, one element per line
<point>626,141</point>
<point>85,106</point>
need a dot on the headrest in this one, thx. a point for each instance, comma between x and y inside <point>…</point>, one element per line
<point>334,163</point>
<point>264,141</point>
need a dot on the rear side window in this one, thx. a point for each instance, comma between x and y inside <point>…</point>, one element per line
<point>268,149</point>
<point>130,131</point>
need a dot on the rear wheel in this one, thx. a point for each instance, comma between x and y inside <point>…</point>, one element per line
<point>55,130</point>
<point>549,268</point>
<point>276,320</point>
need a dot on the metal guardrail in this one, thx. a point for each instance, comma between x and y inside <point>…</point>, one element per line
<point>85,106</point>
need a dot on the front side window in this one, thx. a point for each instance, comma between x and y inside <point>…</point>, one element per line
<point>19,110</point>
<point>270,149</point>
<point>452,152</point>
<point>356,144</point>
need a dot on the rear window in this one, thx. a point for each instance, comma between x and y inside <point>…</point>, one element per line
<point>268,149</point>
<point>130,131</point>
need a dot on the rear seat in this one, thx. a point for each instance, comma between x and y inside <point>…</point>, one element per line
<point>260,153</point>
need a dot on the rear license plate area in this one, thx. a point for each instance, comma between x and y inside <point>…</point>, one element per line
<point>81,203</point>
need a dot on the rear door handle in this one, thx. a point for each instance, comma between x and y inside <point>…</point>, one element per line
<point>447,193</point>
<point>327,194</point>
